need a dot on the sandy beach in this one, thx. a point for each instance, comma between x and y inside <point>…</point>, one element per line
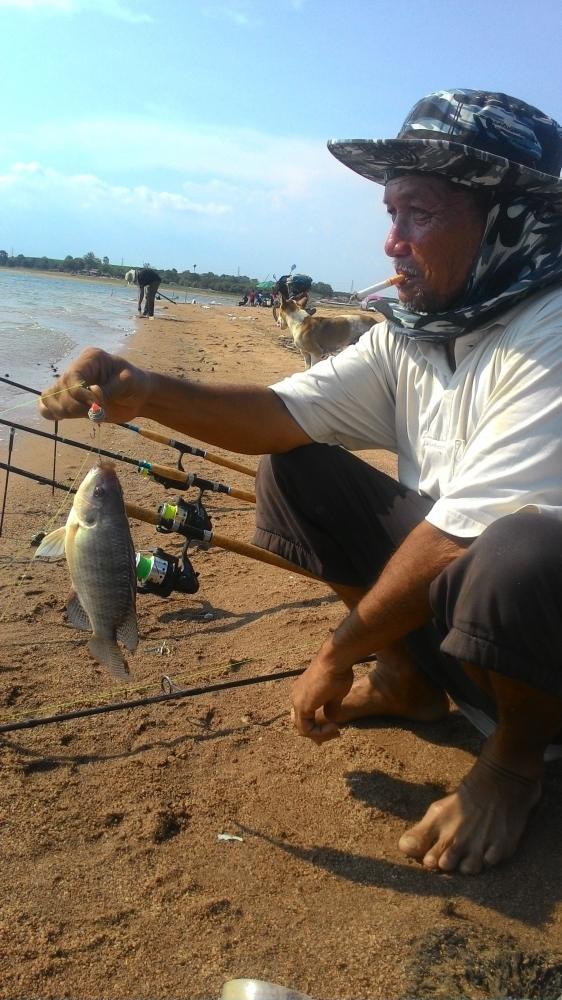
<point>116,883</point>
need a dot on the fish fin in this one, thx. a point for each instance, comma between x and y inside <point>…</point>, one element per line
<point>76,614</point>
<point>52,546</point>
<point>127,632</point>
<point>107,652</point>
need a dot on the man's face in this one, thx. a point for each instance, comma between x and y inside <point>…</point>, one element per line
<point>434,237</point>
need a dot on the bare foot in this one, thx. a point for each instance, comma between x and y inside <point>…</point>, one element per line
<point>480,824</point>
<point>393,690</point>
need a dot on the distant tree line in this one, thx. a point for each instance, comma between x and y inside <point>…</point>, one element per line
<point>89,264</point>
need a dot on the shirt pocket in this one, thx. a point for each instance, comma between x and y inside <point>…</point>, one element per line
<point>439,460</point>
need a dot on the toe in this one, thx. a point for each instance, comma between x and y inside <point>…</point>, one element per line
<point>412,845</point>
<point>431,860</point>
<point>496,853</point>
<point>450,856</point>
<point>471,865</point>
<point>425,840</point>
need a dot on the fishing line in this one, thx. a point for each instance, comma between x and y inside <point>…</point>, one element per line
<point>44,395</point>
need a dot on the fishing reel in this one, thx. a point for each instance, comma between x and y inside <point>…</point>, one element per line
<point>187,518</point>
<point>160,573</point>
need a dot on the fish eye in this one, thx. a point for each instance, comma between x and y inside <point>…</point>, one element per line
<point>99,491</point>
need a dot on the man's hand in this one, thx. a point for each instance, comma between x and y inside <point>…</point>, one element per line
<point>322,686</point>
<point>98,377</point>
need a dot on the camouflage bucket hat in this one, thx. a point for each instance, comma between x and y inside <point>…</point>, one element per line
<point>469,136</point>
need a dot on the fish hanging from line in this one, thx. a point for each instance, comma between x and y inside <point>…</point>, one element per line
<point>101,561</point>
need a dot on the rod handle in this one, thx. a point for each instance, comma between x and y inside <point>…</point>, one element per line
<point>142,514</point>
<point>228,464</point>
<point>242,495</point>
<point>262,555</point>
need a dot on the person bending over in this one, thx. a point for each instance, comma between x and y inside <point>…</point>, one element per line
<point>453,574</point>
<point>148,281</point>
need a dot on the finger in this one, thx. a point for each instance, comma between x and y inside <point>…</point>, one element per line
<point>96,395</point>
<point>306,725</point>
<point>64,398</point>
<point>323,732</point>
<point>70,397</point>
<point>330,709</point>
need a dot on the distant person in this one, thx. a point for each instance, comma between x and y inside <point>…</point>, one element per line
<point>148,281</point>
<point>244,301</point>
<point>295,286</point>
<point>252,297</point>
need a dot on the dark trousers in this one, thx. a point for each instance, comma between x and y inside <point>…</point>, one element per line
<point>498,606</point>
<point>149,297</point>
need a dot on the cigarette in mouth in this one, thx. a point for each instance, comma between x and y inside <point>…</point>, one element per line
<point>396,279</point>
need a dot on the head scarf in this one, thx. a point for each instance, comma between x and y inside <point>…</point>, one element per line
<point>520,253</point>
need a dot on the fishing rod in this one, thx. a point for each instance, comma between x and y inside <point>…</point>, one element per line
<point>10,449</point>
<point>18,385</point>
<point>169,478</point>
<point>55,437</point>
<point>180,446</point>
<point>155,699</point>
<point>160,295</point>
<point>189,519</point>
<point>190,449</point>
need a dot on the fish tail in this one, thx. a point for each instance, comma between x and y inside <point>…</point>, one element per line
<point>107,652</point>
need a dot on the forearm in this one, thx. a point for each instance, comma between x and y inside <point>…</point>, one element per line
<point>244,418</point>
<point>398,603</point>
<point>250,419</point>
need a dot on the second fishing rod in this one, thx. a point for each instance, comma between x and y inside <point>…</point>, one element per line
<point>171,478</point>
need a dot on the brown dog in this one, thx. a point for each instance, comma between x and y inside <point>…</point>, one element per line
<point>317,336</point>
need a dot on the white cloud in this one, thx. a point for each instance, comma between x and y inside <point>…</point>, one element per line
<point>287,168</point>
<point>147,188</point>
<point>29,181</point>
<point>108,8</point>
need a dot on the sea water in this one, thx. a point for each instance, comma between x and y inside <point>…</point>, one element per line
<point>46,321</point>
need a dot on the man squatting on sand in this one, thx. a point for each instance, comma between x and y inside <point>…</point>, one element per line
<point>453,575</point>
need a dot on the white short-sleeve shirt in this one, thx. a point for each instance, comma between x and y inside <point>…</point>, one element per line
<point>482,441</point>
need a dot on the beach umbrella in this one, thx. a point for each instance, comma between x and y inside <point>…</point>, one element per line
<point>266,285</point>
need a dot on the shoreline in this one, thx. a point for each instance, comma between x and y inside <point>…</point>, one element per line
<point>114,282</point>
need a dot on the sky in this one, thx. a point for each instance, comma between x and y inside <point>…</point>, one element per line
<point>192,133</point>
